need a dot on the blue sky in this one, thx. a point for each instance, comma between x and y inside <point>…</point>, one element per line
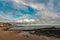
<point>41,11</point>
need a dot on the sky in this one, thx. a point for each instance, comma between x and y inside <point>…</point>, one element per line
<point>34,11</point>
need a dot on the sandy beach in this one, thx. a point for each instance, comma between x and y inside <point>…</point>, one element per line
<point>9,35</point>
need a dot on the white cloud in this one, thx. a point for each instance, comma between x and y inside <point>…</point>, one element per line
<point>48,14</point>
<point>25,20</point>
<point>47,11</point>
<point>19,2</point>
<point>6,19</point>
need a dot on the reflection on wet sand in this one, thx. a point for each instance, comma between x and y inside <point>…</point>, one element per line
<point>13,35</point>
<point>19,35</point>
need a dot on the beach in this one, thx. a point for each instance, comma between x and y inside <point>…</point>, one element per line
<point>13,35</point>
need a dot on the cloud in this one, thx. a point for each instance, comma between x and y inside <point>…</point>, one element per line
<point>25,20</point>
<point>48,11</point>
<point>6,19</point>
<point>42,11</point>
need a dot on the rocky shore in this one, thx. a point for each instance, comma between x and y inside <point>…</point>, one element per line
<point>12,35</point>
<point>20,35</point>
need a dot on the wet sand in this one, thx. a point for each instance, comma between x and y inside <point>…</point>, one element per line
<point>9,35</point>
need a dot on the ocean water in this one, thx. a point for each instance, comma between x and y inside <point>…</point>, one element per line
<point>32,27</point>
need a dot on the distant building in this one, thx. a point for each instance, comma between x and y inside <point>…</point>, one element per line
<point>6,25</point>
